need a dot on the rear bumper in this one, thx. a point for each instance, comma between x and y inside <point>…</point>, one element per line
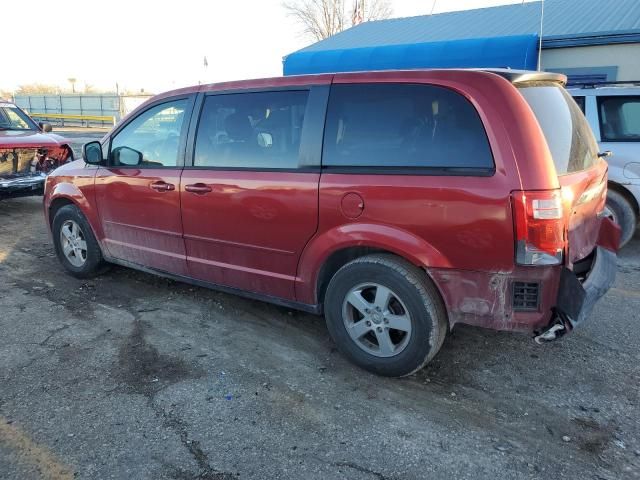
<point>579,292</point>
<point>565,297</point>
<point>576,299</point>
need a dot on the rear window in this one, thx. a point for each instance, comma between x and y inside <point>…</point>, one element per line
<point>619,118</point>
<point>404,127</point>
<point>568,134</point>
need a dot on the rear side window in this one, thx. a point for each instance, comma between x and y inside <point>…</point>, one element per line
<point>251,130</point>
<point>619,118</point>
<point>567,132</point>
<point>398,126</point>
<point>580,101</point>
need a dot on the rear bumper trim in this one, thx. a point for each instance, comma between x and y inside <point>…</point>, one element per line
<point>576,299</point>
<point>599,281</point>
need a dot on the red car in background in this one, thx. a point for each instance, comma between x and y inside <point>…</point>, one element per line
<point>28,152</point>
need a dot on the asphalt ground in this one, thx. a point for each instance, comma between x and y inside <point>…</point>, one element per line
<point>130,376</point>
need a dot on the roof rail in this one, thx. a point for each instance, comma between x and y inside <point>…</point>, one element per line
<point>632,83</point>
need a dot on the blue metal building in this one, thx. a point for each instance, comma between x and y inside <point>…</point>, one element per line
<point>586,39</point>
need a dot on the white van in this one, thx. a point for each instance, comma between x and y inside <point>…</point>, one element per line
<point>613,111</point>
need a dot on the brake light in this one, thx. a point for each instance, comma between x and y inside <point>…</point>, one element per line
<point>539,227</point>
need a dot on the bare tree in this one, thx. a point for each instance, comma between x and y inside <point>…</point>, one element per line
<point>37,88</point>
<point>322,18</point>
<point>377,10</point>
<point>88,88</point>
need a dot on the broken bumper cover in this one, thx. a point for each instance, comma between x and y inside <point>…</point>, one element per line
<point>576,299</point>
<point>18,185</point>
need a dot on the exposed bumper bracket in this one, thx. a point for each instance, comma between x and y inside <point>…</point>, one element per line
<point>559,326</point>
<point>576,299</point>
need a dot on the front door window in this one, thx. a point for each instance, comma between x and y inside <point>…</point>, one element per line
<point>155,134</point>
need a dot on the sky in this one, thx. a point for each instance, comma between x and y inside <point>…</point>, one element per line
<point>158,45</point>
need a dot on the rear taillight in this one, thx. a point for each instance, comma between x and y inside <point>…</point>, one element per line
<point>539,226</point>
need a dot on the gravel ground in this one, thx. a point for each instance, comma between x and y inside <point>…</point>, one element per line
<point>130,376</point>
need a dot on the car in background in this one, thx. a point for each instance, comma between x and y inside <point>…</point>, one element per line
<point>28,152</point>
<point>613,111</point>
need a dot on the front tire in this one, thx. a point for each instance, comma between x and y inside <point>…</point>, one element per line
<point>623,214</point>
<point>76,247</point>
<point>385,315</point>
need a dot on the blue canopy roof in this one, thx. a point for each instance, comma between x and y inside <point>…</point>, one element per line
<point>516,52</point>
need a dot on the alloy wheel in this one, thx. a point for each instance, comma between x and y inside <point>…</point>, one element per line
<point>74,244</point>
<point>376,319</point>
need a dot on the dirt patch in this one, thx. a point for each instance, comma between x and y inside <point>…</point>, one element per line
<point>144,370</point>
<point>595,438</point>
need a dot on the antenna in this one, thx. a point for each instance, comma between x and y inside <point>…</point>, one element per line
<point>433,6</point>
<point>540,38</point>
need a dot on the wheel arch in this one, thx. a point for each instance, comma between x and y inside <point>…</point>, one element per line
<point>56,204</point>
<point>633,201</point>
<point>327,253</point>
<point>69,194</point>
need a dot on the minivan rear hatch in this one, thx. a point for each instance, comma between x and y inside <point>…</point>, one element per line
<point>582,173</point>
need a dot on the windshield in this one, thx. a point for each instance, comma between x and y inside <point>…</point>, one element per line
<point>12,118</point>
<point>568,134</point>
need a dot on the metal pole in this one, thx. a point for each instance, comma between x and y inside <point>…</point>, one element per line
<point>540,39</point>
<point>101,111</point>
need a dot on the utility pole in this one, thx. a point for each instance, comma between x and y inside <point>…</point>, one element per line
<point>540,39</point>
<point>72,81</point>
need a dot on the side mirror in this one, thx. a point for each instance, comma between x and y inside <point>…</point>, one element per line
<point>126,156</point>
<point>45,126</point>
<point>92,153</point>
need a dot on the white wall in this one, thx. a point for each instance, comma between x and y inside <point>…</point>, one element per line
<point>625,56</point>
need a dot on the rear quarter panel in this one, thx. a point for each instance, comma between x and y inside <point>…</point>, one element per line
<point>454,223</point>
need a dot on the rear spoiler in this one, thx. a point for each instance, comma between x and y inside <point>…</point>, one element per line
<point>527,76</point>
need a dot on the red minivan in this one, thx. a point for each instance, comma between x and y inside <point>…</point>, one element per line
<point>397,203</point>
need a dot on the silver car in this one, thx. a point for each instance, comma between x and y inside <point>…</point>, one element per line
<point>613,111</point>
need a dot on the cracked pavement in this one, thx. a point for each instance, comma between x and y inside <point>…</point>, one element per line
<point>129,376</point>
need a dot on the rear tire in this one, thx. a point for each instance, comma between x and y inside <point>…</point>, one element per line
<point>76,247</point>
<point>400,321</point>
<point>623,214</point>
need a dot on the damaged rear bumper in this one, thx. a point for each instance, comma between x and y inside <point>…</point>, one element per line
<point>581,288</point>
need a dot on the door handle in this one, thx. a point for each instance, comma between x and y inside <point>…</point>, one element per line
<point>198,188</point>
<point>162,186</point>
